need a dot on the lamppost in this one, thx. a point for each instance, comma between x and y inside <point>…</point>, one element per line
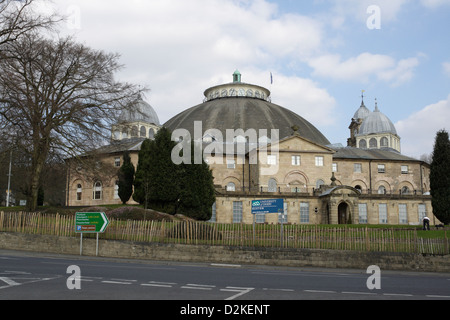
<point>8,191</point>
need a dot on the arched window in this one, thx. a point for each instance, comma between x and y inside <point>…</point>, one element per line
<point>124,133</point>
<point>272,185</point>
<point>151,133</point>
<point>358,187</point>
<point>384,142</point>
<point>373,143</point>
<point>116,135</point>
<point>143,132</point>
<point>319,183</point>
<point>79,192</point>
<point>134,131</point>
<point>98,189</point>
<point>363,144</point>
<point>404,190</point>
<point>231,186</point>
<point>381,190</point>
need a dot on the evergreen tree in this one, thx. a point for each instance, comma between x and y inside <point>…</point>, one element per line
<point>440,177</point>
<point>197,193</point>
<point>141,179</point>
<point>126,178</point>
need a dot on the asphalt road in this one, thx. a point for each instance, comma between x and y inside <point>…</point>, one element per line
<point>26,276</point>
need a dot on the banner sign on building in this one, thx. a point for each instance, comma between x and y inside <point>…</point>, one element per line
<point>267,206</point>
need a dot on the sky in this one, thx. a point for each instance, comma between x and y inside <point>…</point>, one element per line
<point>322,55</point>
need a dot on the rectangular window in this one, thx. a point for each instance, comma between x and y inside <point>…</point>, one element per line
<point>319,161</point>
<point>237,211</point>
<point>304,212</point>
<point>231,164</point>
<point>295,160</point>
<point>357,168</point>
<point>260,218</point>
<point>335,167</point>
<point>283,218</point>
<point>381,168</point>
<point>117,162</point>
<point>402,214</point>
<point>272,159</point>
<point>422,211</point>
<point>382,213</point>
<point>362,212</point>
<point>405,169</point>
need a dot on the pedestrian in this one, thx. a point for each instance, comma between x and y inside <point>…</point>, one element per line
<point>426,223</point>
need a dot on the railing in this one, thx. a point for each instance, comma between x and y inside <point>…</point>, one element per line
<point>260,235</point>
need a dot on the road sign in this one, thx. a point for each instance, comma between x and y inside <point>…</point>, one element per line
<point>90,222</point>
<point>267,206</point>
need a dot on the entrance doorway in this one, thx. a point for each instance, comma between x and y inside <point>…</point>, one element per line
<point>343,213</point>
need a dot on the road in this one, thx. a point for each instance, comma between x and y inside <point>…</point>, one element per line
<point>25,276</point>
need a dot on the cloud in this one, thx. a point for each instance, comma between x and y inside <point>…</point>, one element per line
<point>364,67</point>
<point>179,48</point>
<point>434,3</point>
<point>418,131</point>
<point>446,66</point>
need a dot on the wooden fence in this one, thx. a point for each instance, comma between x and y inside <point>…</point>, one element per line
<point>260,235</point>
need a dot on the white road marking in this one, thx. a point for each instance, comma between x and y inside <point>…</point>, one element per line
<point>241,291</point>
<point>319,291</point>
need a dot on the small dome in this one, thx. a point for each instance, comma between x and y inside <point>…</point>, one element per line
<point>362,113</point>
<point>141,111</point>
<point>377,122</point>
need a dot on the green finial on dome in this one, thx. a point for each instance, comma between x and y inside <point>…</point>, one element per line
<point>237,76</point>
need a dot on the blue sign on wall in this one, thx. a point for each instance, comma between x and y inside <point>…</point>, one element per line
<point>267,206</point>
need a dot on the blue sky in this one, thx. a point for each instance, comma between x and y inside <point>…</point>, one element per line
<point>322,55</point>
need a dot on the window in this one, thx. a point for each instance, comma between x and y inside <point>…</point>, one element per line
<point>272,159</point>
<point>79,192</point>
<point>97,193</point>
<point>384,142</point>
<point>362,212</point>
<point>381,168</point>
<point>272,185</point>
<point>334,167</point>
<point>260,218</point>
<point>405,169</point>
<point>381,190</point>
<point>304,212</point>
<point>319,161</point>
<point>231,164</point>
<point>143,132</point>
<point>116,190</point>
<point>117,162</point>
<point>363,144</point>
<point>151,133</point>
<point>134,131</point>
<point>402,214</point>
<point>382,213</point>
<point>319,183</point>
<point>404,190</point>
<point>422,211</point>
<point>231,186</point>
<point>295,160</point>
<point>237,211</point>
<point>373,143</point>
<point>213,216</point>
<point>283,218</point>
<point>357,168</point>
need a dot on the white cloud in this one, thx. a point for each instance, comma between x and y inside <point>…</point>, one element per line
<point>418,131</point>
<point>434,3</point>
<point>364,67</point>
<point>446,66</point>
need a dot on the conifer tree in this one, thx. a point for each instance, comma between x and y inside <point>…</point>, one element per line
<point>440,177</point>
<point>197,193</point>
<point>126,178</point>
<point>141,179</point>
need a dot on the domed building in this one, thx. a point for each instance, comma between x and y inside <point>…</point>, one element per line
<point>258,150</point>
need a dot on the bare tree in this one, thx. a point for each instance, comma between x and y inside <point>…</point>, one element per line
<point>17,18</point>
<point>58,95</point>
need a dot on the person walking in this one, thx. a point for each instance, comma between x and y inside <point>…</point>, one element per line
<point>426,223</point>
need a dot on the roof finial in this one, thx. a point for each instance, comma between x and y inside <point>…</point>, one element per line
<point>376,105</point>
<point>237,76</point>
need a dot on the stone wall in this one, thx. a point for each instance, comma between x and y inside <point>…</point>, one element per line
<point>228,255</point>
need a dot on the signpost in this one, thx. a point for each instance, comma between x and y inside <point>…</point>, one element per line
<point>268,206</point>
<point>90,222</point>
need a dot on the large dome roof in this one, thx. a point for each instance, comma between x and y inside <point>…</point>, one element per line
<point>141,111</point>
<point>245,113</point>
<point>377,122</point>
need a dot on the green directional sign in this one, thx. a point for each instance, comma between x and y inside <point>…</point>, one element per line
<point>90,222</point>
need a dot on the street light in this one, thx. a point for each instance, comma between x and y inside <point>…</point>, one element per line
<point>9,180</point>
